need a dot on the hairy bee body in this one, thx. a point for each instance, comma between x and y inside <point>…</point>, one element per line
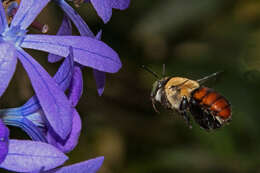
<point>208,108</point>
<point>213,101</point>
<point>175,94</point>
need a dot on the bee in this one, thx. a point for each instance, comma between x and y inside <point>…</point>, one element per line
<point>208,108</point>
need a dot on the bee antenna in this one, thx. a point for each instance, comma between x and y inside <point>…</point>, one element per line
<point>150,71</point>
<point>163,70</point>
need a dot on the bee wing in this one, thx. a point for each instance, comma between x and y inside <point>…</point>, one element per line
<point>209,77</point>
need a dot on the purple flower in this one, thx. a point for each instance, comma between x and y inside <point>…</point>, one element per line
<point>51,97</point>
<point>104,10</point>
<point>38,157</point>
<point>4,141</point>
<point>66,29</point>
<point>32,118</point>
<point>89,166</point>
<point>53,101</point>
<point>104,7</point>
<point>28,156</point>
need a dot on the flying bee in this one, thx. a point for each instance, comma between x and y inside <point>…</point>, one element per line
<point>208,108</point>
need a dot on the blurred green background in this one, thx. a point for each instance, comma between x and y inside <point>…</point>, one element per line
<point>194,39</point>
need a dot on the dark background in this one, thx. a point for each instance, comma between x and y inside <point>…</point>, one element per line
<point>194,39</point>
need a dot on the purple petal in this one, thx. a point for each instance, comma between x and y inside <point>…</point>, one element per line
<point>65,73</point>
<point>65,29</point>
<point>3,21</point>
<point>120,4</point>
<point>100,78</point>
<point>31,105</point>
<point>76,19</point>
<point>28,156</point>
<point>87,51</point>
<point>76,86</point>
<point>103,8</point>
<point>32,130</point>
<point>4,134</point>
<point>63,77</point>
<point>20,112</point>
<point>8,62</point>
<point>70,143</point>
<point>17,119</point>
<point>99,35</point>
<point>52,99</point>
<point>89,166</point>
<point>27,12</point>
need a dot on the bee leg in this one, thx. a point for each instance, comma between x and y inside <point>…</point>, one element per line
<point>154,107</point>
<point>183,110</point>
<point>186,118</point>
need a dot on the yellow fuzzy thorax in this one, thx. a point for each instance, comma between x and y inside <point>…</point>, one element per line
<point>177,87</point>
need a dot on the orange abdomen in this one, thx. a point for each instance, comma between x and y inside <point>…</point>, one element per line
<point>212,101</point>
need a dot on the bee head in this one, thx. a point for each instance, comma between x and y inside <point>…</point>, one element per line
<point>158,88</point>
<point>158,85</point>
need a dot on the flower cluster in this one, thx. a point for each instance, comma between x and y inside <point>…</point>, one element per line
<point>50,117</point>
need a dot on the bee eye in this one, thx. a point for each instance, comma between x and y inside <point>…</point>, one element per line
<point>159,85</point>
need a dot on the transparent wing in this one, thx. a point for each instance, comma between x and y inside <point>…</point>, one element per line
<point>210,77</point>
